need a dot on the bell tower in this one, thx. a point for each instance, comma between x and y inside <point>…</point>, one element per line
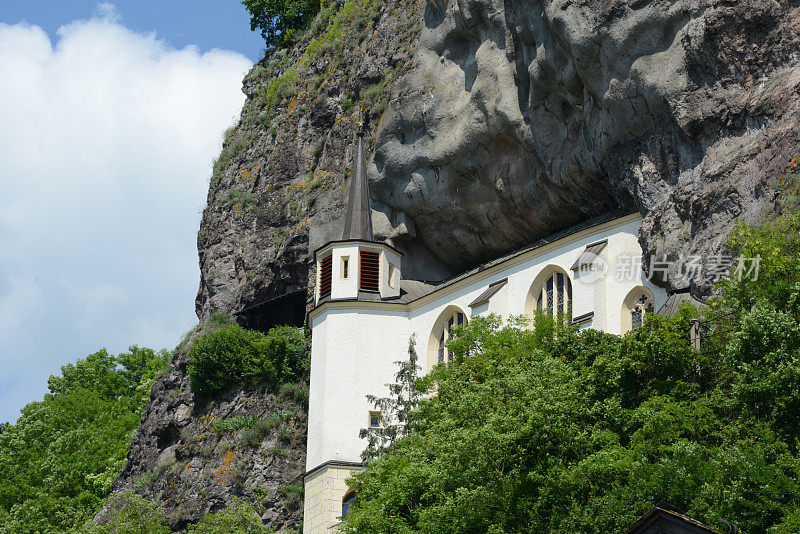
<point>357,267</point>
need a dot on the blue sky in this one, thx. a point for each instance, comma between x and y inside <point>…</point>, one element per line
<point>110,118</point>
<point>206,24</point>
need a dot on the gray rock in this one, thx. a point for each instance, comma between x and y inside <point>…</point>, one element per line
<point>523,118</point>
<point>510,121</point>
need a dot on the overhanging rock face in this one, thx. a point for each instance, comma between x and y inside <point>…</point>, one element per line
<point>509,121</point>
<point>523,118</point>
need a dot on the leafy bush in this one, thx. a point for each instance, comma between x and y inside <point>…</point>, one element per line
<point>238,517</point>
<point>288,348</point>
<point>293,496</point>
<point>129,513</point>
<point>232,356</point>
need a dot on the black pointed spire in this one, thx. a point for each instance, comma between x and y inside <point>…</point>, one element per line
<point>358,221</point>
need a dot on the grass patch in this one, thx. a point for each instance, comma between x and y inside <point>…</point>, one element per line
<point>297,392</point>
<point>292,496</point>
<point>232,424</point>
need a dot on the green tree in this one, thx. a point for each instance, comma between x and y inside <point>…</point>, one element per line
<point>59,459</point>
<point>279,20</point>
<point>396,409</point>
<point>552,433</point>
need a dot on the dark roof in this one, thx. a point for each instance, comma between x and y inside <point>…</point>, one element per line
<point>488,293</point>
<point>589,254</point>
<point>585,318</point>
<point>411,290</point>
<point>674,301</point>
<point>355,241</point>
<point>574,229</point>
<point>662,520</point>
<point>358,220</point>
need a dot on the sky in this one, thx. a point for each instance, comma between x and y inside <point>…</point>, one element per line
<point>110,117</point>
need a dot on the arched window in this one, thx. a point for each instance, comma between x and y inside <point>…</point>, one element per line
<point>442,331</point>
<point>554,293</point>
<point>347,501</point>
<point>636,306</point>
<point>457,318</point>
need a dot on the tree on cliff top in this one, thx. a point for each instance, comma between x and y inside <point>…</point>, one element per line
<point>278,20</point>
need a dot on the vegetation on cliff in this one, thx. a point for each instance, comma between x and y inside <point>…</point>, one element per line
<point>232,454</point>
<point>58,461</point>
<point>555,430</point>
<point>233,356</point>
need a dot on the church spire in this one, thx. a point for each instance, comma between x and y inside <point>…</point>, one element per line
<point>357,221</point>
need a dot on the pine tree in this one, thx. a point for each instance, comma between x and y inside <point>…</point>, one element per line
<point>396,409</point>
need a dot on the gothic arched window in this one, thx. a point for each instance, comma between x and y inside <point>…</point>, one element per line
<point>347,502</point>
<point>637,305</point>
<point>456,318</point>
<point>442,331</point>
<point>555,294</point>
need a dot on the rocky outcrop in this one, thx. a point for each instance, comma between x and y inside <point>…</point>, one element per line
<point>497,123</point>
<point>195,456</point>
<point>523,117</point>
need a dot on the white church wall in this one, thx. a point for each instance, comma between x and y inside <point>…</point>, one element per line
<point>345,288</point>
<point>623,249</point>
<point>356,344</point>
<point>352,355</point>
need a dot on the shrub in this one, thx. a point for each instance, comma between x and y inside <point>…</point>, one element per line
<point>238,516</point>
<point>250,437</point>
<point>288,348</point>
<point>129,513</point>
<point>227,357</point>
<point>297,392</point>
<point>293,496</point>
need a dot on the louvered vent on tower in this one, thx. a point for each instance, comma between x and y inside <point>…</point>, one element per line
<point>369,271</point>
<point>326,266</point>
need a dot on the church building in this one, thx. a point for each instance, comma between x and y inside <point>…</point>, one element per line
<point>365,313</point>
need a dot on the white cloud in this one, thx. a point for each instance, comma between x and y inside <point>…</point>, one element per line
<point>106,143</point>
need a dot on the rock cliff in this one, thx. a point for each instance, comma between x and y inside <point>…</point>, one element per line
<point>193,456</point>
<point>494,123</point>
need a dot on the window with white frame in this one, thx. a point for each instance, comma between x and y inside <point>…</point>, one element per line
<point>374,420</point>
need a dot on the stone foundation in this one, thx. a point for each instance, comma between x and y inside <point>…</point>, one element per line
<point>324,490</point>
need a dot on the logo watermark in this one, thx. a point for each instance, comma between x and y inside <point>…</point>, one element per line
<point>630,268</point>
